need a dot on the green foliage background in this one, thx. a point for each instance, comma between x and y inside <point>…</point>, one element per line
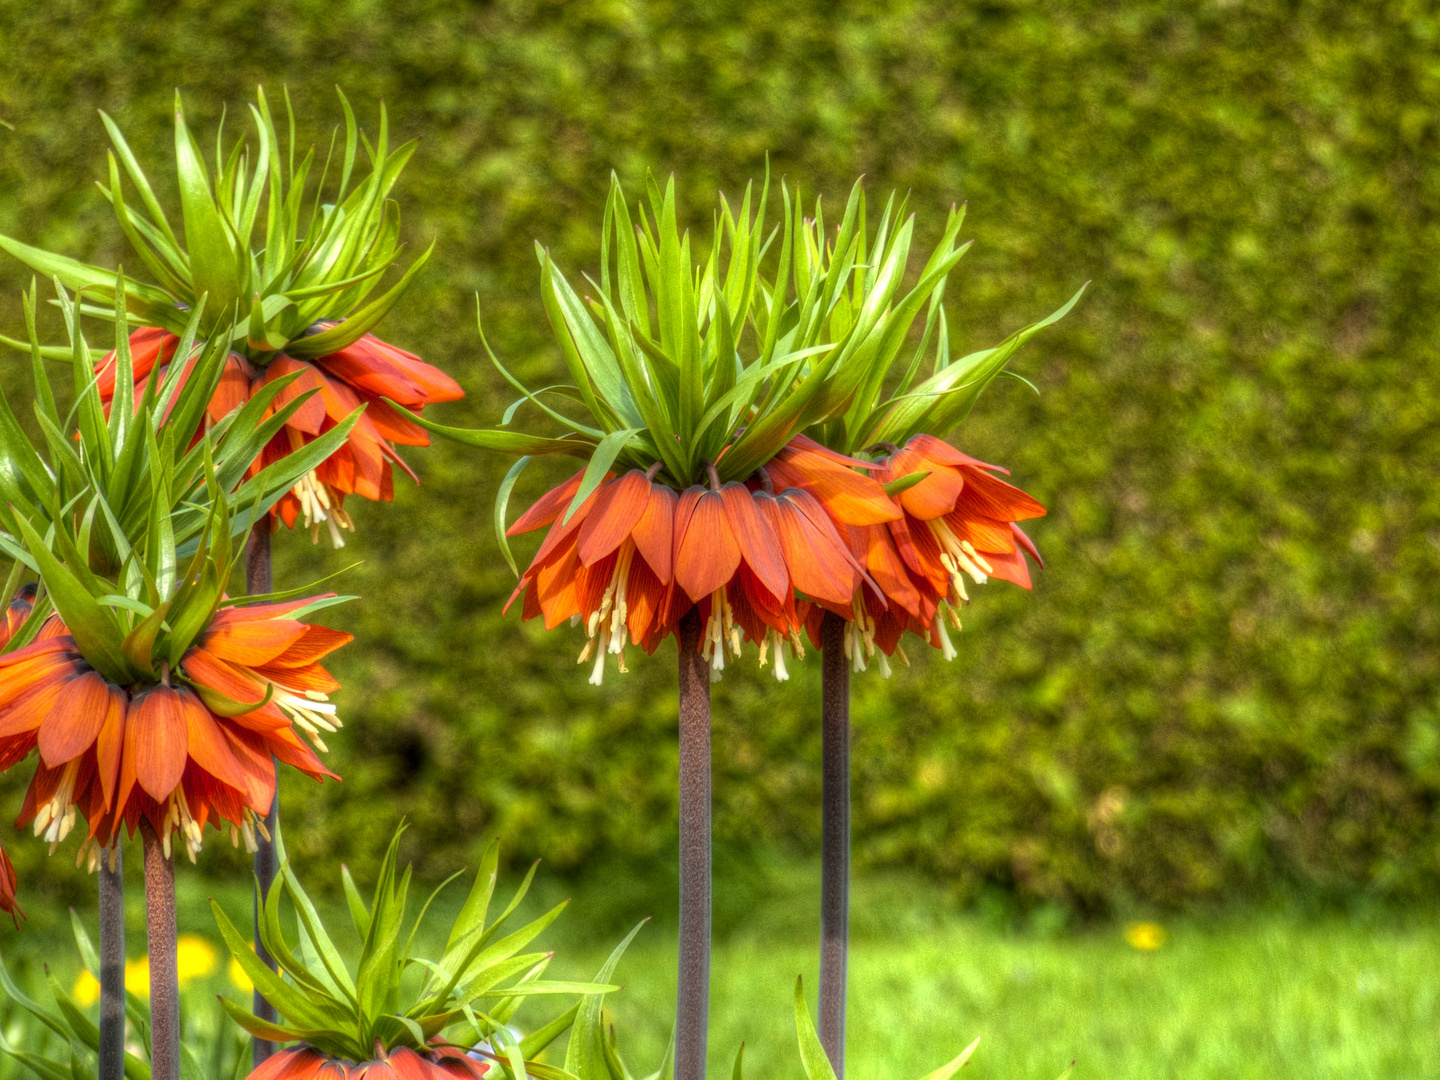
<point>1226,682</point>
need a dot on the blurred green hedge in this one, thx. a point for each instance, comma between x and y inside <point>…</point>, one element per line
<point>1227,680</point>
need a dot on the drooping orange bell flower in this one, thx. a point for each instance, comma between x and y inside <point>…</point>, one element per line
<point>437,1062</point>
<point>364,373</point>
<point>636,556</point>
<point>959,521</point>
<point>7,889</point>
<point>192,749</point>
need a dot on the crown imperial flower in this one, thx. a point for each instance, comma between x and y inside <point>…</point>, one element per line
<point>297,308</point>
<point>180,755</point>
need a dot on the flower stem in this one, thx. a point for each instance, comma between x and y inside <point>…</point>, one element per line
<point>692,1012</point>
<point>160,942</point>
<point>112,962</point>
<point>258,581</point>
<point>834,838</point>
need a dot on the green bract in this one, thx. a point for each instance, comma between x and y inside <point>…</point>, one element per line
<point>470,992</point>
<point>130,521</point>
<point>722,360</point>
<point>317,262</point>
<point>883,401</point>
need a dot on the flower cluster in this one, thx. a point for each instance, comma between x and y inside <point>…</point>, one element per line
<point>287,297</point>
<point>636,556</point>
<point>766,558</point>
<point>191,749</point>
<point>958,522</point>
<point>367,372</point>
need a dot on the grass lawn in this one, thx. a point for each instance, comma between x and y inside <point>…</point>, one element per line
<point>1255,994</point>
<point>1254,997</point>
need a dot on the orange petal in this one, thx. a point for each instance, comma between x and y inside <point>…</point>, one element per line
<point>887,568</point>
<point>310,417</point>
<point>1010,566</point>
<point>255,612</point>
<point>988,496</point>
<point>757,540</point>
<point>810,446</point>
<point>110,743</point>
<point>644,597</point>
<point>846,495</point>
<point>156,740</point>
<point>1028,544</point>
<point>808,505</point>
<point>618,506</point>
<point>296,1063</point>
<point>287,747</point>
<point>562,531</point>
<point>250,750</point>
<point>654,533</point>
<point>817,567</point>
<point>238,684</point>
<point>985,534</point>
<point>232,391</point>
<point>932,497</point>
<point>34,698</point>
<point>207,745</point>
<point>252,642</point>
<point>409,1065</point>
<point>547,508</point>
<point>317,642</point>
<point>940,451</point>
<point>309,677</point>
<point>451,1063</point>
<point>706,554</point>
<point>75,719</point>
<point>392,426</point>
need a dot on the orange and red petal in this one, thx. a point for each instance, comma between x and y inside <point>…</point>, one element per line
<point>252,642</point>
<point>156,740</point>
<point>933,496</point>
<point>207,745</point>
<point>759,546</point>
<point>989,496</point>
<point>295,1063</point>
<point>75,720</point>
<point>706,552</point>
<point>847,496</point>
<point>654,533</point>
<point>886,566</point>
<point>547,508</point>
<point>817,566</point>
<point>618,507</point>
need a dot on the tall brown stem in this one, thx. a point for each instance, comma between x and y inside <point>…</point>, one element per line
<point>112,962</point>
<point>259,580</point>
<point>160,942</point>
<point>834,838</point>
<point>692,1011</point>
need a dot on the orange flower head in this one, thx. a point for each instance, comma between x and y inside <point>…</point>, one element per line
<point>635,556</point>
<point>366,372</point>
<point>192,749</point>
<point>958,521</point>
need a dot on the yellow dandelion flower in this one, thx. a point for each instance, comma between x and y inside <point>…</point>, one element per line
<point>86,990</point>
<point>1145,936</point>
<point>238,976</point>
<point>195,958</point>
<point>137,975</point>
